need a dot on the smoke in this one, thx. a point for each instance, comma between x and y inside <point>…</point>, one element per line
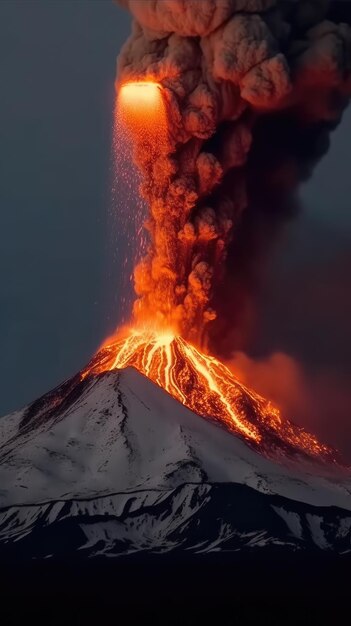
<point>284,153</point>
<point>310,399</point>
<point>223,66</point>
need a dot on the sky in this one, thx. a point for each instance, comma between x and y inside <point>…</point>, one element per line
<point>59,267</point>
<point>57,75</point>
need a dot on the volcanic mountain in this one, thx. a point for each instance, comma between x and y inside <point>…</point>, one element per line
<point>109,464</point>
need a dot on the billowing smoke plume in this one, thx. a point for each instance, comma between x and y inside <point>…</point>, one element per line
<point>222,66</point>
<point>284,153</point>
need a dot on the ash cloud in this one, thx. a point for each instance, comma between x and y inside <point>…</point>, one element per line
<point>284,153</point>
<point>224,65</point>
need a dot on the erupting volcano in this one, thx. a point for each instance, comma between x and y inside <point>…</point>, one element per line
<point>156,446</point>
<point>208,387</point>
<point>189,94</point>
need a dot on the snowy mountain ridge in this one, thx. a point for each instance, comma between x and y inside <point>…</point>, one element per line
<point>113,465</point>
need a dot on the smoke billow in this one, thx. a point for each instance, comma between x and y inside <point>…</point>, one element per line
<point>311,398</point>
<point>223,66</point>
<point>284,154</point>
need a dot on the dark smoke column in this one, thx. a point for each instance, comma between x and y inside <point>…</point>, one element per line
<point>222,65</point>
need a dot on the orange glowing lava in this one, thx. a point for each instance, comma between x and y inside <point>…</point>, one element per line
<point>207,387</point>
<point>142,109</point>
<point>140,95</point>
<point>142,112</point>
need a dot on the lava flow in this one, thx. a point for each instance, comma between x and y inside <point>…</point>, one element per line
<point>207,387</point>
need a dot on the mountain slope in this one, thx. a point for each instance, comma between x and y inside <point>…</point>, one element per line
<point>193,518</point>
<point>113,465</point>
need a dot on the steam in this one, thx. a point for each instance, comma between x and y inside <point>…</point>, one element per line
<point>222,66</point>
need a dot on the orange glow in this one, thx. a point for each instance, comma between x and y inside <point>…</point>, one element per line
<point>172,283</point>
<point>207,387</point>
<point>140,95</point>
<point>141,107</point>
<point>173,288</point>
<point>142,111</point>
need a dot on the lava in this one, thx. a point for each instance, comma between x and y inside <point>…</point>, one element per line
<point>141,106</point>
<point>206,386</point>
<point>140,94</point>
<point>173,284</point>
<point>142,112</point>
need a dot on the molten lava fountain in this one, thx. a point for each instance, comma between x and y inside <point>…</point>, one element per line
<point>154,345</point>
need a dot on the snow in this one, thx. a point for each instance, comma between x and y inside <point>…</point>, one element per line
<point>125,434</point>
<point>292,520</point>
<point>315,523</point>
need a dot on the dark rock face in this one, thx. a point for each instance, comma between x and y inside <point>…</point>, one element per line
<point>193,519</point>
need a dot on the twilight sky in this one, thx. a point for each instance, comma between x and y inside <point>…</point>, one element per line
<point>59,275</point>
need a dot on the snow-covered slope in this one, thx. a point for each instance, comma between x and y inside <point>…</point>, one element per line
<point>112,464</point>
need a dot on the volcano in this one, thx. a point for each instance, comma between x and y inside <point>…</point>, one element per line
<point>207,387</point>
<point>109,464</point>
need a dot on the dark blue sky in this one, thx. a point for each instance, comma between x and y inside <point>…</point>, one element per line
<point>58,295</point>
<point>57,74</point>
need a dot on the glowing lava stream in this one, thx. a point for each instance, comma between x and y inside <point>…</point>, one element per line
<point>158,362</point>
<point>208,388</point>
